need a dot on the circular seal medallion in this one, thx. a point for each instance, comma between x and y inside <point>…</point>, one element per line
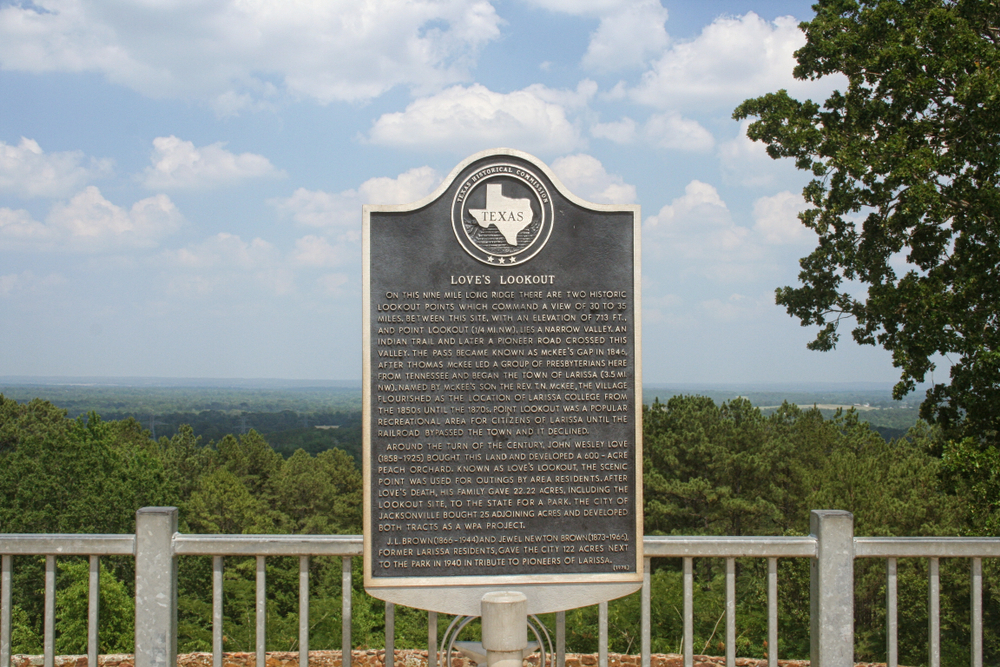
<point>502,214</point>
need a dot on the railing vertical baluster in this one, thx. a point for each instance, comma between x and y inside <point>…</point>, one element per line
<point>390,634</point>
<point>602,634</point>
<point>346,589</point>
<point>304,611</point>
<point>560,639</point>
<point>49,631</point>
<point>977,612</point>
<point>688,612</point>
<point>432,638</point>
<point>934,613</point>
<point>261,612</point>
<point>93,610</point>
<point>730,612</point>
<point>217,621</point>
<point>5,609</point>
<point>892,618</point>
<point>647,604</point>
<point>772,612</point>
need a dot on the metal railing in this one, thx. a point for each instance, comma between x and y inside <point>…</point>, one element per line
<point>831,548</point>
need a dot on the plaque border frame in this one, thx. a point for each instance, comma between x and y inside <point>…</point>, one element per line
<point>393,589</point>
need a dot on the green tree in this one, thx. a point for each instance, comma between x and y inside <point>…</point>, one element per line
<point>25,636</point>
<point>721,470</point>
<point>73,475</point>
<point>64,475</point>
<point>251,459</point>
<point>116,625</point>
<point>906,163</point>
<point>319,494</point>
<point>221,503</point>
<point>185,459</point>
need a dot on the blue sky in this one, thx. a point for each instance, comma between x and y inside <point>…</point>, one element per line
<point>181,181</point>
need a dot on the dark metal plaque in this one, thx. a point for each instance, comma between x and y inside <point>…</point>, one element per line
<point>502,384</point>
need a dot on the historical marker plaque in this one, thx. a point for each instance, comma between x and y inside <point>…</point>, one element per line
<point>502,385</point>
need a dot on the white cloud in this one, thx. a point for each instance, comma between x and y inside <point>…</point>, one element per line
<point>316,208</point>
<point>627,37</point>
<point>745,162</point>
<point>223,264</point>
<point>225,250</point>
<point>736,307</point>
<point>564,97</point>
<point>776,219</point>
<point>665,309</point>
<point>331,283</point>
<point>581,7</point>
<point>673,131</point>
<point>26,281</point>
<point>178,164</point>
<point>629,32</point>
<point>9,284</point>
<point>237,52</point>
<point>28,171</point>
<point>586,177</point>
<point>620,131</point>
<point>18,228</point>
<point>314,251</point>
<point>474,118</point>
<point>90,223</point>
<point>696,235</point>
<point>732,59</point>
<point>408,187</point>
<point>699,207</point>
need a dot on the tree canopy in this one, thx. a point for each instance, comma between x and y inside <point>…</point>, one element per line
<point>709,469</point>
<point>905,197</point>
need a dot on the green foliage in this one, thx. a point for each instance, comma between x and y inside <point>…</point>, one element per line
<point>25,636</point>
<point>221,503</point>
<point>730,470</point>
<point>718,471</point>
<point>116,617</point>
<point>88,475</point>
<point>710,469</point>
<point>974,474</point>
<point>319,494</point>
<point>906,163</point>
<point>81,475</point>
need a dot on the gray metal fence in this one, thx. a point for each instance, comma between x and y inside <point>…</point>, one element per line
<point>831,548</point>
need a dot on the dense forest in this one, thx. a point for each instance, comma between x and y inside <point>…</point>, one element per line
<point>710,469</point>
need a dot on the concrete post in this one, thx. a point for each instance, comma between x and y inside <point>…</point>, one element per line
<point>832,589</point>
<point>155,587</point>
<point>505,628</point>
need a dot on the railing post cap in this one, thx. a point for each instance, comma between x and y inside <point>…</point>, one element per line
<point>504,597</point>
<point>832,513</point>
<point>156,510</point>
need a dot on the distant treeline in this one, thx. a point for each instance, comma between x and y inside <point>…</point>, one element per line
<point>709,469</point>
<point>286,431</point>
<point>285,414</point>
<point>287,417</point>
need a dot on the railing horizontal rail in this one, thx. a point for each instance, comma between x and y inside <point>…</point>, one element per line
<point>838,550</point>
<point>662,546</point>
<point>268,545</point>
<point>54,544</point>
<point>926,547</point>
